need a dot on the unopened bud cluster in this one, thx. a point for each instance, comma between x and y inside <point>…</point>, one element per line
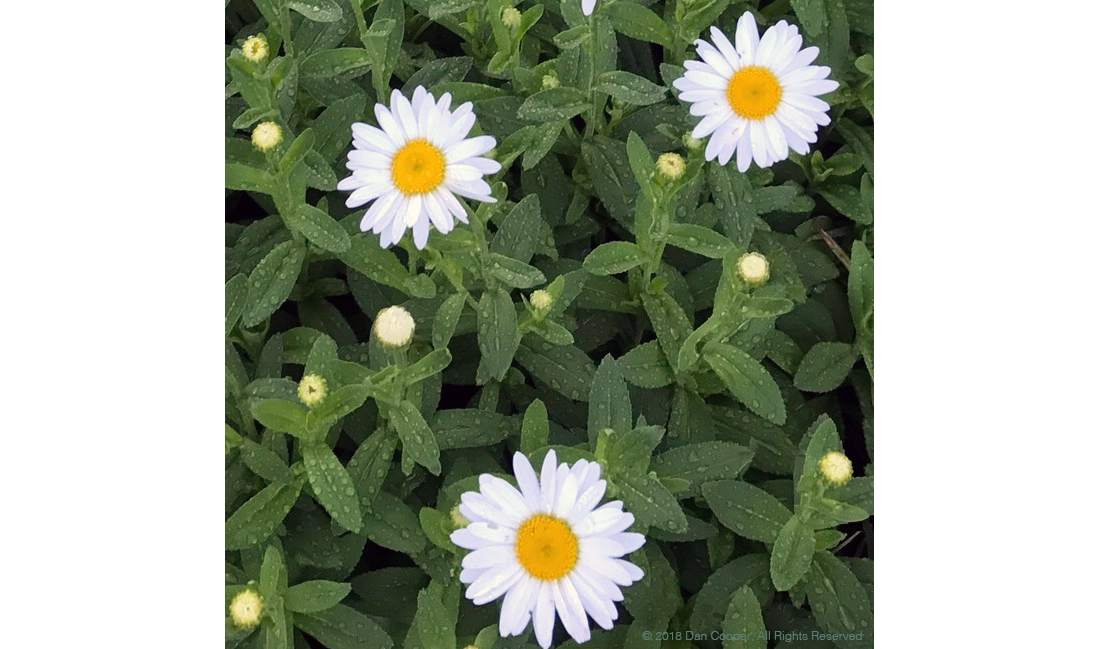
<point>671,167</point>
<point>836,467</point>
<point>246,609</point>
<point>255,48</point>
<point>753,268</point>
<point>312,389</point>
<point>394,327</point>
<point>267,136</point>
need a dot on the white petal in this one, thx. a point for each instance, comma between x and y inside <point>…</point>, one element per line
<point>464,538</point>
<point>528,481</point>
<point>776,140</point>
<point>725,47</point>
<point>587,501</point>
<point>747,38</point>
<point>611,569</point>
<point>481,508</point>
<point>515,611</point>
<point>708,79</point>
<point>470,575</point>
<point>485,166</point>
<point>544,616</point>
<point>366,193</point>
<point>783,54</point>
<point>494,583</point>
<point>504,495</point>
<point>567,497</point>
<point>802,59</point>
<point>600,608</point>
<point>601,546</point>
<point>634,571</point>
<point>374,137</point>
<point>630,541</point>
<point>816,87</point>
<point>475,189</point>
<point>402,109</point>
<point>759,147</point>
<point>714,58</point>
<point>389,124</point>
<point>549,481</point>
<point>413,208</point>
<point>571,610</point>
<point>438,214</point>
<point>600,583</point>
<point>587,6</point>
<point>767,46</point>
<point>469,148</point>
<point>460,128</point>
<point>606,517</point>
<point>708,124</point>
<point>805,102</point>
<point>462,173</point>
<point>380,212</point>
<point>492,533</point>
<point>486,557</point>
<point>744,154</point>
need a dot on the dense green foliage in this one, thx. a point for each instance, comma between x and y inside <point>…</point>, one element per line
<point>708,402</point>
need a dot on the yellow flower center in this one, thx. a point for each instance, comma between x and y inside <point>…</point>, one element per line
<point>418,167</point>
<point>546,547</point>
<point>754,92</point>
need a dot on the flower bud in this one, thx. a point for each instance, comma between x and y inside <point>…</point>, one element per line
<point>246,609</point>
<point>691,143</point>
<point>511,18</point>
<point>836,467</point>
<point>542,300</point>
<point>753,268</point>
<point>671,166</point>
<point>550,81</point>
<point>312,390</point>
<point>267,136</point>
<point>394,327</point>
<point>458,519</point>
<point>255,48</point>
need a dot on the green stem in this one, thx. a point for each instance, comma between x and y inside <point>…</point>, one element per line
<point>593,113</point>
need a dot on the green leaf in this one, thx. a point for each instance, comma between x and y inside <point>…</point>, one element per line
<point>334,123</point>
<point>434,623</point>
<point>393,524</point>
<point>281,416</point>
<point>567,369</point>
<point>262,461</point>
<point>792,554</point>
<point>297,150</point>
<point>839,602</point>
<point>860,140</point>
<point>515,236</point>
<point>574,37</point>
<point>236,293</point>
<point>417,439</point>
<point>823,438</point>
<point>811,14</point>
<point>825,367</point>
<point>646,367</point>
<point>471,427</point>
<point>322,11</point>
<point>247,178</point>
<point>558,103</point>
<point>433,363</point>
<point>733,203</point>
<point>497,334</point>
<point>703,462</point>
<point>746,509</point>
<point>514,273</point>
<point>346,62</point>
<point>536,428</point>
<point>639,22</point>
<point>342,627</point>
<point>614,182</point>
<point>743,626</point>
<point>332,485</point>
<point>651,503</point>
<point>320,228</point>
<point>629,452</point>
<point>446,319</point>
<point>630,88</point>
<point>847,200</point>
<point>315,596</point>
<point>440,8</point>
<point>272,573</point>
<point>614,257</point>
<point>384,267</point>
<point>765,307</point>
<point>271,281</point>
<point>747,380</point>
<point>370,465</point>
<point>861,300</point>
<point>257,519</point>
<point>609,400</point>
<point>712,602</point>
<point>669,321</point>
<point>697,239</point>
<point>453,68</point>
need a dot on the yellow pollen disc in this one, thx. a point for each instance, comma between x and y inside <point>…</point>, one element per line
<point>546,547</point>
<point>754,92</point>
<point>418,167</point>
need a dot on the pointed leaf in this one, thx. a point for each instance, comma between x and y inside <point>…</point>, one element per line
<point>332,485</point>
<point>417,439</point>
<point>747,380</point>
<point>746,509</point>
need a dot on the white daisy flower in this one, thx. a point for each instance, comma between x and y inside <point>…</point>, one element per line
<point>587,6</point>
<point>547,549</point>
<point>758,99</point>
<point>414,165</point>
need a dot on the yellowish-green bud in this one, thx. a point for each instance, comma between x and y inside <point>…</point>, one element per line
<point>550,81</point>
<point>691,143</point>
<point>753,268</point>
<point>458,519</point>
<point>267,136</point>
<point>394,327</point>
<point>542,300</point>
<point>836,467</point>
<point>312,390</point>
<point>671,166</point>
<point>255,48</point>
<point>246,609</point>
<point>511,18</point>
